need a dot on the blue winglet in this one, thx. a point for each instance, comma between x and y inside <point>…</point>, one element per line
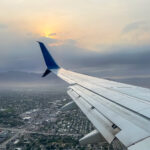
<point>49,61</point>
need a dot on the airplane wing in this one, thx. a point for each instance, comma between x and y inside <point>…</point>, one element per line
<point>117,111</point>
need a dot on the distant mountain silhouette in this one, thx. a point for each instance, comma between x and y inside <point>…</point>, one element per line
<point>26,77</point>
<point>15,78</point>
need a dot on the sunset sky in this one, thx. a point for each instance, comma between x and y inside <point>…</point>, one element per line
<point>105,32</point>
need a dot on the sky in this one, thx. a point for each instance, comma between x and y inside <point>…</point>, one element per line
<point>100,37</point>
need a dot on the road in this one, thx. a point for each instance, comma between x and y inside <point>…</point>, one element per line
<point>3,145</point>
<point>19,132</point>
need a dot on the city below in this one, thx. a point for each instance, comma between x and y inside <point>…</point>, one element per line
<point>32,119</point>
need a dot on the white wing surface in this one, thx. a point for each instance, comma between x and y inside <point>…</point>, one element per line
<point>117,111</point>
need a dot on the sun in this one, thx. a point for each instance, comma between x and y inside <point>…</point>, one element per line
<point>47,31</point>
<point>49,34</point>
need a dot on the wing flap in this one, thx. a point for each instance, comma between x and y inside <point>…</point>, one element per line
<point>102,124</point>
<point>92,137</point>
<point>129,123</point>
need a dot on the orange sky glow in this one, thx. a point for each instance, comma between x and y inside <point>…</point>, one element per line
<point>92,24</point>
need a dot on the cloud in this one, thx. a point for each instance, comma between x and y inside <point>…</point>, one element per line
<point>119,61</point>
<point>52,34</point>
<point>3,26</point>
<point>144,25</point>
<point>23,54</point>
<point>71,55</point>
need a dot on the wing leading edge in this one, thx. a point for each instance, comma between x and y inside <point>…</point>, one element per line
<point>117,111</point>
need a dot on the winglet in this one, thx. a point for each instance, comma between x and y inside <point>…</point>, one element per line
<point>47,71</point>
<point>49,61</point>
